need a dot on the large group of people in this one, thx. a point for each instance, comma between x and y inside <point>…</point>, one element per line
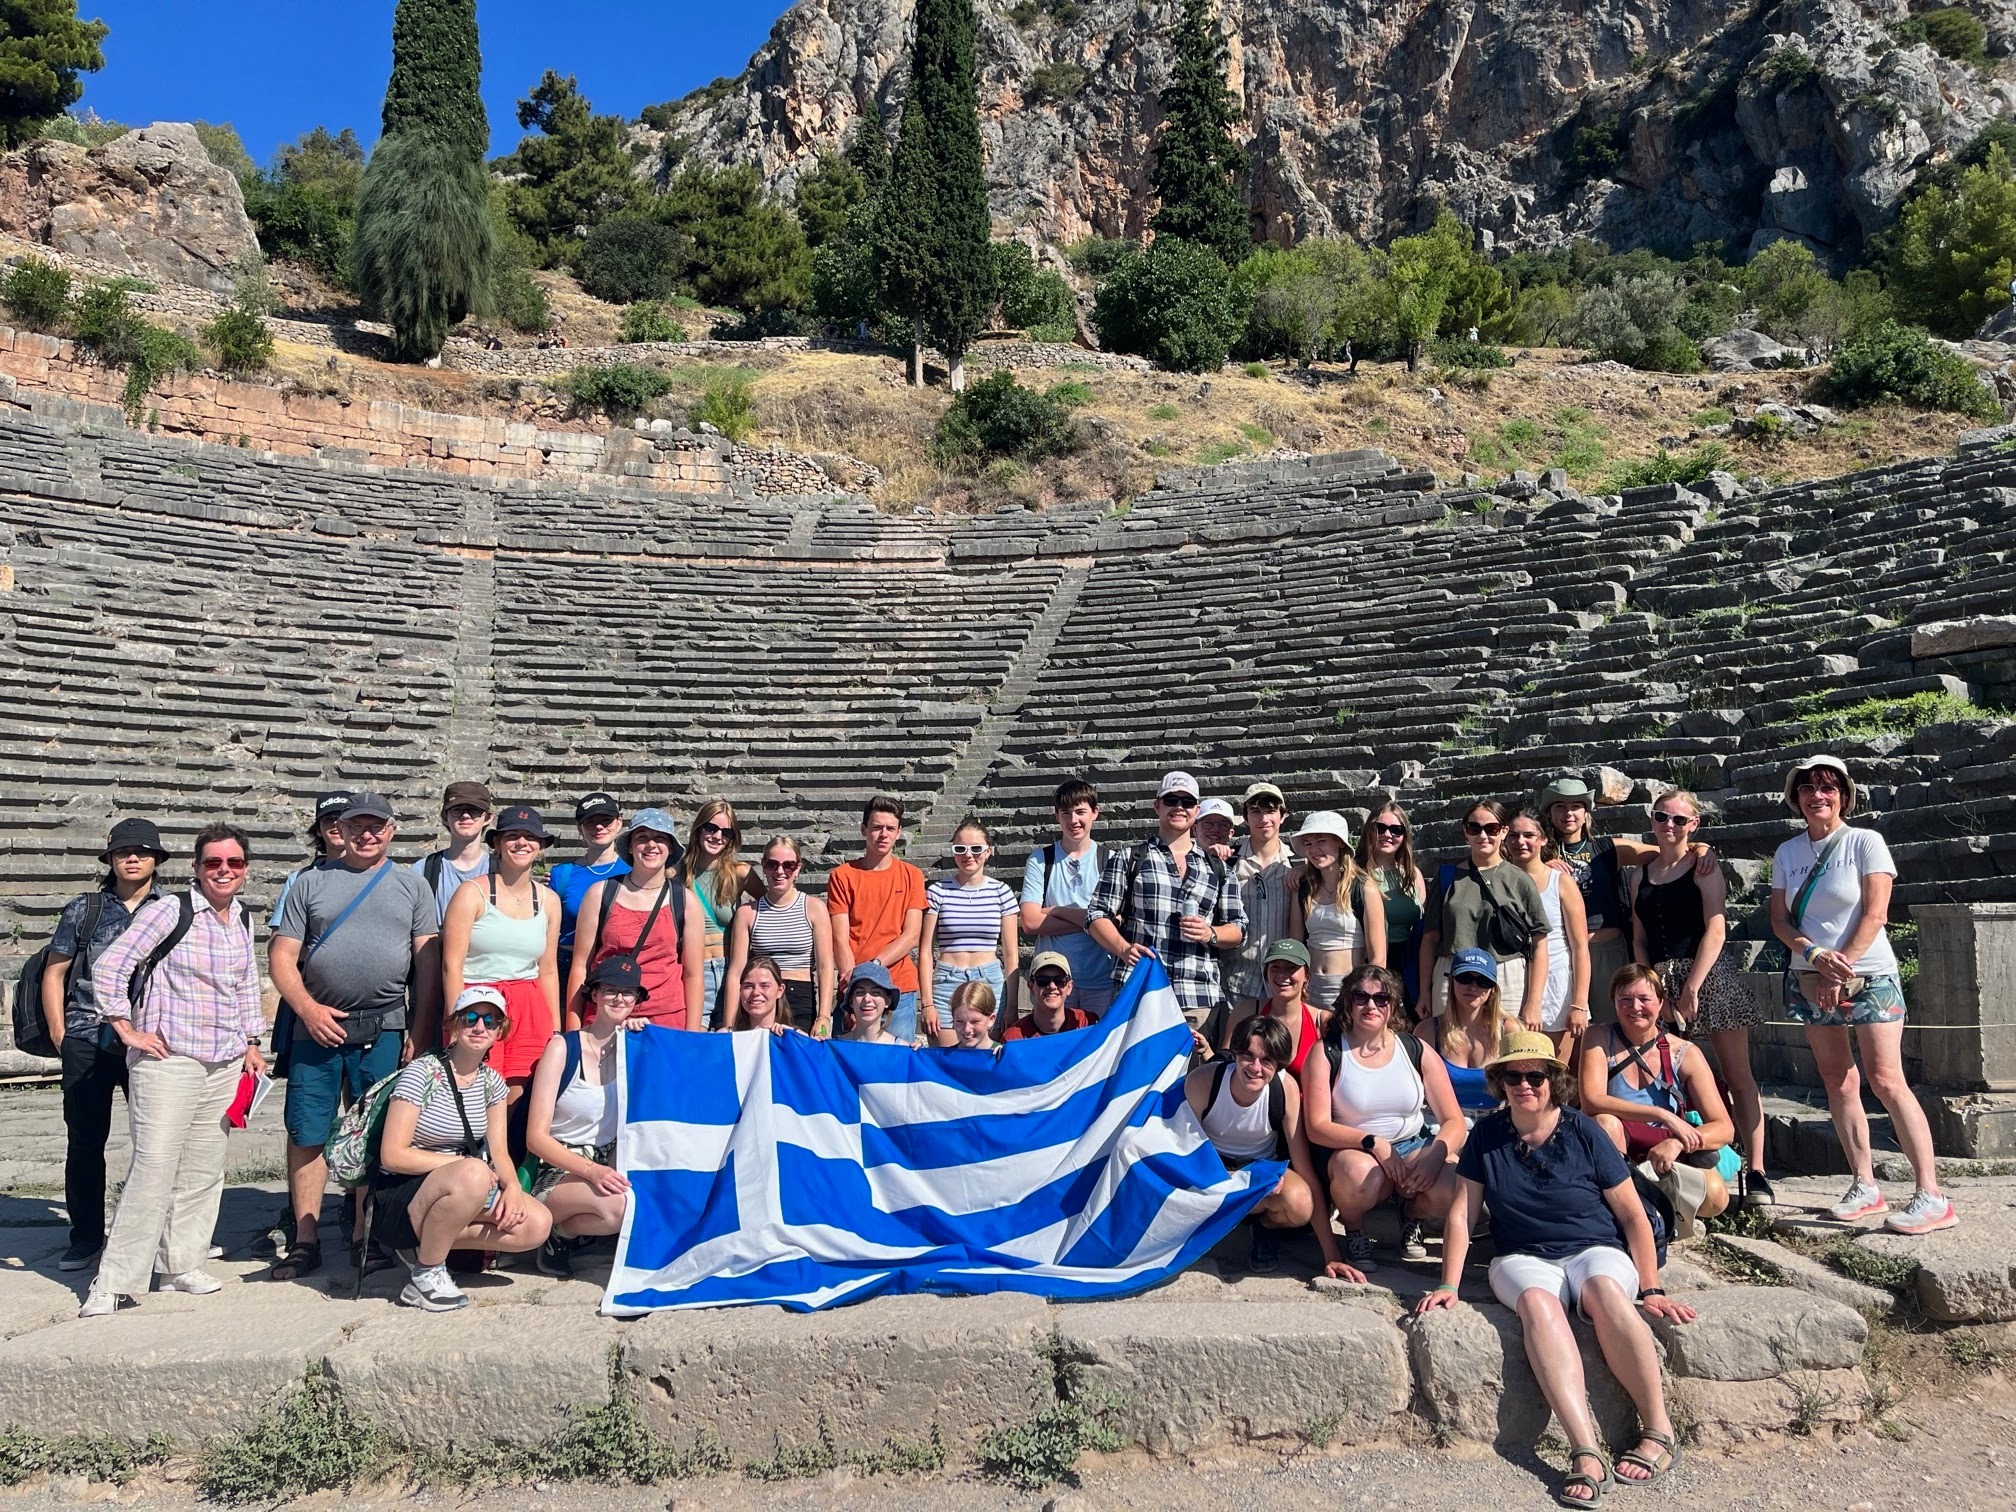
<point>1510,1030</point>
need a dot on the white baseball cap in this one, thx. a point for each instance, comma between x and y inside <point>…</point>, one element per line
<point>1178,782</point>
<point>1211,807</point>
<point>1326,822</point>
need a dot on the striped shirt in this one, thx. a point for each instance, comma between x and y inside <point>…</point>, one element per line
<point>969,918</point>
<point>439,1128</point>
<point>204,996</point>
<point>783,934</point>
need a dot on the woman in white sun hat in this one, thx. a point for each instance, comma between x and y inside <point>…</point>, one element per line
<point>1336,910</point>
<point>1830,899</point>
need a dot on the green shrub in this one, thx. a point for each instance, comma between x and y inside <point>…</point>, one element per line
<point>771,320</point>
<point>1956,34</point>
<point>1635,320</point>
<point>315,1442</point>
<point>1073,393</point>
<point>1045,1449</point>
<point>1872,717</point>
<point>241,341</point>
<point>37,292</point>
<point>1595,148</point>
<point>1787,69</point>
<point>1032,297</point>
<point>520,299</point>
<point>1453,352</point>
<point>1054,81</point>
<point>1665,467</point>
<point>998,417</point>
<point>649,320</point>
<point>619,392</point>
<point>1175,303</point>
<point>1096,256</point>
<point>23,1454</point>
<point>726,404</point>
<point>1164,412</point>
<point>1715,414</point>
<point>628,258</point>
<point>1900,362</point>
<point>108,326</point>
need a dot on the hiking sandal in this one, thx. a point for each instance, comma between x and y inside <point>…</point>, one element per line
<point>1597,1484</point>
<point>300,1260</point>
<point>1655,1469</point>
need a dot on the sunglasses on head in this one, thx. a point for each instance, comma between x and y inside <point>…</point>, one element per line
<point>1390,831</point>
<point>478,1018</point>
<point>1472,827</point>
<point>782,868</point>
<point>1177,800</point>
<point>718,831</point>
<point>1680,819</point>
<point>970,850</point>
<point>1524,1078</point>
<point>224,863</point>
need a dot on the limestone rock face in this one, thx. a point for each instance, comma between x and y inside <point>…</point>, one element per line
<point>1641,121</point>
<point>150,204</point>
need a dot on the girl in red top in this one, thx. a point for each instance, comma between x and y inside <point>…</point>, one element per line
<point>651,917</point>
<point>1285,968</point>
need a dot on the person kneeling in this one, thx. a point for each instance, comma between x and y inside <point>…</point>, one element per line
<point>442,1185</point>
<point>1250,1111</point>
<point>571,1123</point>
<point>1569,1227</point>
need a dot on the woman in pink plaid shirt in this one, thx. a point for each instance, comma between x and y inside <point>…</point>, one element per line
<point>191,1026</point>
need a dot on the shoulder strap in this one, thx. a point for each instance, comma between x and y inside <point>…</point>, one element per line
<point>1821,856</point>
<point>1411,1043</point>
<point>308,950</point>
<point>185,915</point>
<point>571,1062</point>
<point>432,869</point>
<point>1277,1115</point>
<point>1049,861</point>
<point>492,876</point>
<point>1218,1074</point>
<point>87,931</point>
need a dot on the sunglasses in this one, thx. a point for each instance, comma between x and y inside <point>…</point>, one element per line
<point>1682,820</point>
<point>1372,999</point>
<point>1524,1078</point>
<point>718,831</point>
<point>1472,827</point>
<point>969,850</point>
<point>650,837</point>
<point>1177,801</point>
<point>599,821</point>
<point>131,850</point>
<point>474,1018</point>
<point>1050,983</point>
<point>1475,983</point>
<point>1525,837</point>
<point>224,863</point>
<point>782,868</point>
<point>1390,831</point>
<point>467,811</point>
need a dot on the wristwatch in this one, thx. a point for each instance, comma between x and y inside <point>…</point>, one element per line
<point>1368,1143</point>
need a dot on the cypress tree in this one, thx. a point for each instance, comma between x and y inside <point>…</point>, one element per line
<point>1196,159</point>
<point>426,245</point>
<point>932,224</point>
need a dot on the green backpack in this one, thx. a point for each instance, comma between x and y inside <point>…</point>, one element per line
<point>353,1149</point>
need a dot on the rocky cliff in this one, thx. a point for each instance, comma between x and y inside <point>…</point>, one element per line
<point>1645,122</point>
<point>150,204</point>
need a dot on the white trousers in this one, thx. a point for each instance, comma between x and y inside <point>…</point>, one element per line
<point>168,1207</point>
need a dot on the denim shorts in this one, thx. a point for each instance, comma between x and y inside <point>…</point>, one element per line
<point>946,980</point>
<point>713,977</point>
<point>317,1076</point>
<point>1881,1001</point>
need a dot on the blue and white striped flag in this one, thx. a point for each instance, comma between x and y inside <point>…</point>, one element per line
<point>781,1169</point>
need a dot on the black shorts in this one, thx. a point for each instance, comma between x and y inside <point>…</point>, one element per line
<point>391,1196</point>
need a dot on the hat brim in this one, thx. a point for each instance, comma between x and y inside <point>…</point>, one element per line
<point>1526,1055</point>
<point>643,995</point>
<point>161,857</point>
<point>491,837</point>
<point>1792,784</point>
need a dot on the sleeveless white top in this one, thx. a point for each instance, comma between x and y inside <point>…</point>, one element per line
<point>1238,1133</point>
<point>1329,927</point>
<point>1560,971</point>
<point>585,1114</point>
<point>1384,1100</point>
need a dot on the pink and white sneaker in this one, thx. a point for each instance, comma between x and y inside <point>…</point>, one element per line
<point>1927,1213</point>
<point>1863,1199</point>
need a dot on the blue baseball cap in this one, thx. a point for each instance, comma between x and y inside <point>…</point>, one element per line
<point>873,974</point>
<point>1474,962</point>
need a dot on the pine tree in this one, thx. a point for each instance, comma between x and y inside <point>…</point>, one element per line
<point>426,244</point>
<point>932,226</point>
<point>43,47</point>
<point>1196,160</point>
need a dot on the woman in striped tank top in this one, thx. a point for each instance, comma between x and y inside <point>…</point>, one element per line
<point>791,928</point>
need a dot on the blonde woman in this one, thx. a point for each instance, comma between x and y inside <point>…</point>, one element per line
<point>1465,1034</point>
<point>717,881</point>
<point>970,929</point>
<point>791,929</point>
<point>1563,1013</point>
<point>1335,911</point>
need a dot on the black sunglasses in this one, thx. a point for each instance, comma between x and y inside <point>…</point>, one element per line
<point>1482,984</point>
<point>718,831</point>
<point>1524,1078</point>
<point>1177,800</point>
<point>1372,999</point>
<point>1047,983</point>
<point>1472,827</point>
<point>1391,831</point>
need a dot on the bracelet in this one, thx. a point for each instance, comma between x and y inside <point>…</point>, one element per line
<point>1446,1286</point>
<point>1650,1291</point>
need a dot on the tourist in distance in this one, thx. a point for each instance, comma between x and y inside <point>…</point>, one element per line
<point>598,819</point>
<point>791,929</point>
<point>1335,910</point>
<point>1466,1033</point>
<point>760,1000</point>
<point>190,1028</point>
<point>1568,1227</point>
<point>325,839</point>
<point>1370,1090</point>
<point>1251,1109</point>
<point>1830,900</point>
<point>570,1127</point>
<point>1564,1007</point>
<point>1679,928</point>
<point>1050,993</point>
<point>1264,868</point>
<point>1165,897</point>
<point>717,879</point>
<point>446,1177</point>
<point>870,1002</point>
<point>94,1059</point>
<point>970,927</point>
<point>1386,854</point>
<point>1484,903</point>
<point>1597,862</point>
<point>972,1018</point>
<point>1214,826</point>
<point>877,908</point>
<point>1285,970</point>
<point>350,1009</point>
<point>1057,886</point>
<point>645,914</point>
<point>503,930</point>
<point>466,809</point>
<point>1655,1099</point>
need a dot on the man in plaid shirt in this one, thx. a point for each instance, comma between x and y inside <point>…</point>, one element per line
<point>1182,905</point>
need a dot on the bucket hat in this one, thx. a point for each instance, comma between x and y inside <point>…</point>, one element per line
<point>130,833</point>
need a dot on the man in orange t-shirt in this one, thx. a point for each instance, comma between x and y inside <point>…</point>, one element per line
<point>877,908</point>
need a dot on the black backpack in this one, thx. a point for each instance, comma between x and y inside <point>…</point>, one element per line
<point>31,1030</point>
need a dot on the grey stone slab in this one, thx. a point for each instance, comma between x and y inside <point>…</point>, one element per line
<point>1471,1370</point>
<point>1965,1274</point>
<point>1806,1274</point>
<point>1750,1333</point>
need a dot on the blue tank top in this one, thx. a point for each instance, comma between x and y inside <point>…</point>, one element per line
<point>1657,1093</point>
<point>1468,1083</point>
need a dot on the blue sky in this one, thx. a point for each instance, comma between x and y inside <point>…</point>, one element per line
<point>277,68</point>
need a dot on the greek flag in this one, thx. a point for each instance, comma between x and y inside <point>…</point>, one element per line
<point>786,1170</point>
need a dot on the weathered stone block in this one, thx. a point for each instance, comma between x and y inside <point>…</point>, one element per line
<point>1470,1365</point>
<point>1723,1410</point>
<point>1750,1333</point>
<point>1965,1274</point>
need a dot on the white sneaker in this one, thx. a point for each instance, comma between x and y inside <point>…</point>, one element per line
<point>1863,1199</point>
<point>197,1283</point>
<point>1925,1214</point>
<point>432,1291</point>
<point>104,1304</point>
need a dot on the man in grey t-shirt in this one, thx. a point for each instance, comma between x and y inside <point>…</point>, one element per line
<point>379,925</point>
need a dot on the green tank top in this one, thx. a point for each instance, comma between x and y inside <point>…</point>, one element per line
<point>1402,911</point>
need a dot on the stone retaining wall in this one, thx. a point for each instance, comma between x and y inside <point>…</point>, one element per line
<point>557,362</point>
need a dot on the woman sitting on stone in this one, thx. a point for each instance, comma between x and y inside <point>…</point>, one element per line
<point>446,1179</point>
<point>1564,1007</point>
<point>638,915</point>
<point>792,929</point>
<point>572,1124</point>
<point>1568,1228</point>
<point>1484,903</point>
<point>1679,929</point>
<point>1386,855</point>
<point>1466,1033</point>
<point>1335,909</point>
<point>1369,1092</point>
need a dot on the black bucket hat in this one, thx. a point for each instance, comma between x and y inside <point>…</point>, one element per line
<point>129,834</point>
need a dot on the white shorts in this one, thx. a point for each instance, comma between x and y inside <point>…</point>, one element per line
<point>1514,1274</point>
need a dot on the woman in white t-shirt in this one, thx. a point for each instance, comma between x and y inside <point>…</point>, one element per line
<point>1830,898</point>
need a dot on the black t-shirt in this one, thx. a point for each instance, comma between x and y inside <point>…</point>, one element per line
<point>1546,1201</point>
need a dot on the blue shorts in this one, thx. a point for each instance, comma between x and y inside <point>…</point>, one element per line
<point>1881,1001</point>
<point>946,980</point>
<point>903,1022</point>
<point>317,1076</point>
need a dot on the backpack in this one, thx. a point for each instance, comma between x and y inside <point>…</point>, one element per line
<point>1277,1105</point>
<point>676,890</point>
<point>352,1151</point>
<point>31,1030</point>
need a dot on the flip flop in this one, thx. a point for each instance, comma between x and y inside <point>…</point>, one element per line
<point>300,1260</point>
<point>1597,1484</point>
<point>1655,1469</point>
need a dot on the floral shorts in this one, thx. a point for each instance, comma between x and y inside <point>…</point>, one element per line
<point>1881,1001</point>
<point>549,1176</point>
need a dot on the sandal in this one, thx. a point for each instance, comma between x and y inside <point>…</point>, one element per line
<point>300,1260</point>
<point>1597,1485</point>
<point>1655,1469</point>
